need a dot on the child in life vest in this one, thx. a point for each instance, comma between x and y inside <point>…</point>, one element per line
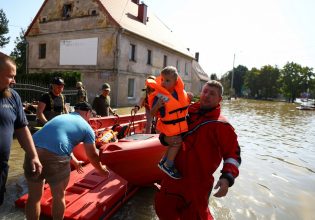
<point>169,102</point>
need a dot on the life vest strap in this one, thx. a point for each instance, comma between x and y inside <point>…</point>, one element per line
<point>178,109</point>
<point>174,121</point>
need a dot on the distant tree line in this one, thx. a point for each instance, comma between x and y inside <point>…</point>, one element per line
<point>290,82</point>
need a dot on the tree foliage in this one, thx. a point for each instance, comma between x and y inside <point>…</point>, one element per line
<point>296,79</point>
<point>251,83</point>
<point>19,53</point>
<point>3,29</point>
<point>268,80</point>
<point>238,79</point>
<point>213,76</point>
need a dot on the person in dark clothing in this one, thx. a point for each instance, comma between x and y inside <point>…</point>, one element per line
<point>52,103</point>
<point>101,103</point>
<point>81,94</point>
<point>12,120</point>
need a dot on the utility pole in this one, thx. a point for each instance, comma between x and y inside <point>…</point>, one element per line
<point>232,78</point>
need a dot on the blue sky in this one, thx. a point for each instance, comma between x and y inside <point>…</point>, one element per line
<point>268,32</point>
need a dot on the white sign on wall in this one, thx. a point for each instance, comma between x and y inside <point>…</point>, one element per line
<point>78,51</point>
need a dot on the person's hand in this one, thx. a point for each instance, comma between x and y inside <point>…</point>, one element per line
<point>136,108</point>
<point>175,141</point>
<point>78,165</point>
<point>160,102</point>
<point>104,171</point>
<point>36,166</point>
<point>190,96</point>
<point>223,186</point>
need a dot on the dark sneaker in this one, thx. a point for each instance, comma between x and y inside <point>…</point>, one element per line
<point>171,171</point>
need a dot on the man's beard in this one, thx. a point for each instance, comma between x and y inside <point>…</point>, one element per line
<point>6,93</point>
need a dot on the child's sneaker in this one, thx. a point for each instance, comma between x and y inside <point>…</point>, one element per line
<point>171,171</point>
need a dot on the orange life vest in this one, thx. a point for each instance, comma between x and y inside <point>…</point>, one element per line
<point>106,137</point>
<point>174,121</point>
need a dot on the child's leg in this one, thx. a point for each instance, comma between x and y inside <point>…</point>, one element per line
<point>171,153</point>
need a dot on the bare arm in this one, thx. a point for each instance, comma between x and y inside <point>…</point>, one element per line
<point>77,163</point>
<point>65,110</point>
<point>40,112</point>
<point>26,141</point>
<point>155,108</point>
<point>92,154</point>
<point>140,104</point>
<point>112,111</point>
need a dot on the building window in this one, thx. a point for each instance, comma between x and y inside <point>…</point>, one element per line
<point>93,12</point>
<point>132,52</point>
<point>131,88</point>
<point>186,68</point>
<point>42,51</point>
<point>165,61</point>
<point>177,66</point>
<point>149,58</point>
<point>66,10</point>
<point>43,19</point>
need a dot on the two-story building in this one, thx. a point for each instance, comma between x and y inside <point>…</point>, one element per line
<point>120,42</point>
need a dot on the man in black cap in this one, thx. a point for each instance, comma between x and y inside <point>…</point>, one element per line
<point>54,144</point>
<point>52,103</point>
<point>101,103</point>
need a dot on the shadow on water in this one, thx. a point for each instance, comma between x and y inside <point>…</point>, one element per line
<point>276,176</point>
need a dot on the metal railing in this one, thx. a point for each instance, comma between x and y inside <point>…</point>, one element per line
<point>30,92</point>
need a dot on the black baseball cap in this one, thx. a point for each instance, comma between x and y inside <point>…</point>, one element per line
<point>83,106</point>
<point>58,81</point>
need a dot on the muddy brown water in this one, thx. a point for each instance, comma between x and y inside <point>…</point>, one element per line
<point>277,175</point>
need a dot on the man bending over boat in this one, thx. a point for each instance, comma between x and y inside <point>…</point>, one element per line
<point>209,140</point>
<point>54,144</point>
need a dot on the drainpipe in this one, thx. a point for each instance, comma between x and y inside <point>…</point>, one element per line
<point>116,63</point>
<point>26,57</point>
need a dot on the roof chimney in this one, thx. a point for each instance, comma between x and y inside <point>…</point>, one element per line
<point>135,1</point>
<point>142,13</point>
<point>197,56</point>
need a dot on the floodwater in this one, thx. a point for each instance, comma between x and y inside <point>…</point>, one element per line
<point>277,175</point>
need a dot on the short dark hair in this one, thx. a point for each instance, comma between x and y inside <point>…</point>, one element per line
<point>4,59</point>
<point>83,106</point>
<point>216,84</point>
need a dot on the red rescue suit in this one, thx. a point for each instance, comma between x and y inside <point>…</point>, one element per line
<point>209,140</point>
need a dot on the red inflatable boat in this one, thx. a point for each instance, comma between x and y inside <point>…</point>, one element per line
<point>89,196</point>
<point>135,158</point>
<point>132,162</point>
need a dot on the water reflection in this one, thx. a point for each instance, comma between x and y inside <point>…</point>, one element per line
<point>277,173</point>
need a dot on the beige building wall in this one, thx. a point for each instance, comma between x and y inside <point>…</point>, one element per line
<point>113,64</point>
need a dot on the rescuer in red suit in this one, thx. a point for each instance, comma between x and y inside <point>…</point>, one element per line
<point>210,140</point>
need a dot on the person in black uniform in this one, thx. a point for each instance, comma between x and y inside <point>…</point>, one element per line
<point>52,103</point>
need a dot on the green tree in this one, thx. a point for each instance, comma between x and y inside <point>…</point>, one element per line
<point>238,82</point>
<point>213,76</point>
<point>19,53</point>
<point>226,83</point>
<point>292,80</point>
<point>3,29</point>
<point>308,77</point>
<point>269,76</point>
<point>252,84</point>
